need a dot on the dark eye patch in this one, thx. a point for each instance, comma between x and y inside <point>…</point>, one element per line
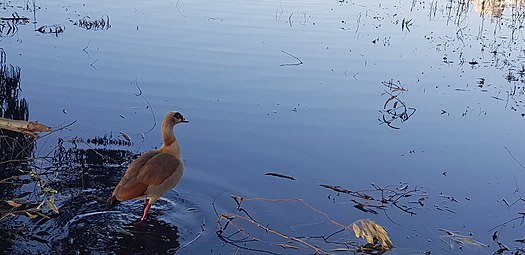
<point>178,115</point>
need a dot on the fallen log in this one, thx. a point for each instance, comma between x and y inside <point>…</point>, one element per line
<point>25,127</point>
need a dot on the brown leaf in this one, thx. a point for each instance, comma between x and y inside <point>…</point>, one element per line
<point>13,203</point>
<point>372,232</point>
<point>37,127</point>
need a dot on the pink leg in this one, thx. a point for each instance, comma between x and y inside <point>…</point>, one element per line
<point>146,210</point>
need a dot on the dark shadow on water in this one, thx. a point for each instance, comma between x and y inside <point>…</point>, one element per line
<point>75,178</point>
<point>86,225</point>
<point>13,145</point>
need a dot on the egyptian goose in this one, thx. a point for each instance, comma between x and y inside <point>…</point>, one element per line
<point>154,172</point>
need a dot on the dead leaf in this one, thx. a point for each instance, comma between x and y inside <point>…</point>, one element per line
<point>13,203</point>
<point>373,233</point>
<point>51,204</point>
<point>126,136</point>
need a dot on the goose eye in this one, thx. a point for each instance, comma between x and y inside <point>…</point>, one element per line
<point>178,116</point>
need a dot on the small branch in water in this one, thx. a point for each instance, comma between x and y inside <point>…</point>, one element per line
<point>281,176</point>
<point>510,153</point>
<point>280,12</point>
<point>358,23</point>
<point>24,127</point>
<point>196,237</point>
<point>140,90</point>
<point>85,49</point>
<point>247,233</point>
<point>87,53</point>
<point>147,107</point>
<point>385,197</point>
<point>93,65</point>
<point>290,19</point>
<point>291,64</point>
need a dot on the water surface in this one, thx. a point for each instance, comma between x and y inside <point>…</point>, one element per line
<point>349,93</point>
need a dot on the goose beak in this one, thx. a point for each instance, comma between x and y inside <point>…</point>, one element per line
<point>184,121</point>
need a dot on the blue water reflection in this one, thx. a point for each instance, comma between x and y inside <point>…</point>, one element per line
<point>227,66</point>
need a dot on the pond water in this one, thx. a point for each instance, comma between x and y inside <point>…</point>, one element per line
<point>417,104</point>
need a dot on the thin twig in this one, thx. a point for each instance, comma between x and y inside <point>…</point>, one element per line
<point>291,64</point>
<point>196,237</point>
<point>510,153</point>
<point>148,106</point>
<point>269,230</point>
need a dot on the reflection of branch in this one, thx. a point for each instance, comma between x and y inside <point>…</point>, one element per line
<point>514,222</point>
<point>291,64</point>
<point>406,23</point>
<point>52,29</point>
<point>94,24</point>
<point>194,239</point>
<point>2,56</point>
<point>87,53</point>
<point>148,106</point>
<point>394,108</point>
<point>279,13</point>
<point>385,196</point>
<point>510,153</point>
<point>522,218</point>
<point>234,229</point>
<point>16,17</point>
<point>9,25</point>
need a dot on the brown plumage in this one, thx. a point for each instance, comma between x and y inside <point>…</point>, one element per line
<point>154,172</point>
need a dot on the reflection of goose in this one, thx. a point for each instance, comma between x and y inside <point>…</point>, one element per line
<point>155,172</point>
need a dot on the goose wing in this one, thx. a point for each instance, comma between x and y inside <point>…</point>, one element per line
<point>158,169</point>
<point>152,168</point>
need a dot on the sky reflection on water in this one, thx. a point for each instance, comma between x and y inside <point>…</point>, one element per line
<point>297,88</point>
